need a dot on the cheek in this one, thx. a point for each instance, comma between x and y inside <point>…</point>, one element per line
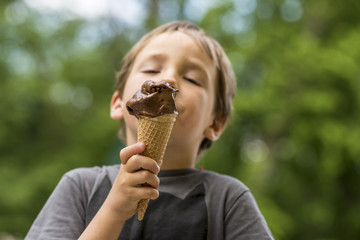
<point>133,84</point>
<point>129,91</point>
<point>130,120</point>
<point>194,109</point>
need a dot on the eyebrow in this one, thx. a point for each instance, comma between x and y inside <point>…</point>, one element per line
<point>155,56</point>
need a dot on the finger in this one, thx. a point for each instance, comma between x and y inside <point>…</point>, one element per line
<point>138,162</point>
<point>136,194</point>
<point>148,193</point>
<point>142,186</point>
<point>144,178</point>
<point>131,150</point>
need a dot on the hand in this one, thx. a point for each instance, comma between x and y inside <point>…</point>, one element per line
<point>136,180</point>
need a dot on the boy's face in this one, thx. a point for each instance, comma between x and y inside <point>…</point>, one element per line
<point>178,59</point>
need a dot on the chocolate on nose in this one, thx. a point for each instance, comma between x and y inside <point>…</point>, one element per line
<point>130,110</point>
<point>172,83</point>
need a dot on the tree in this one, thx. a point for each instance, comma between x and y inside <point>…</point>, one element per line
<point>293,138</point>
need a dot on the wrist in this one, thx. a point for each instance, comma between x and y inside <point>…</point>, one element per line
<point>112,215</point>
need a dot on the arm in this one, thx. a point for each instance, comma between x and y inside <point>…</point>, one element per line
<point>127,191</point>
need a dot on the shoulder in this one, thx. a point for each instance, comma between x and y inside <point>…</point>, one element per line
<point>227,190</point>
<point>91,171</point>
<point>224,182</point>
<point>231,201</point>
<point>66,207</point>
<point>88,177</point>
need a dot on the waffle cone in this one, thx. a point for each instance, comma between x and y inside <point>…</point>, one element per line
<point>155,133</point>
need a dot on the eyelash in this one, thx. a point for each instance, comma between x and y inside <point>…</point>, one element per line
<point>151,71</point>
<point>186,78</point>
<point>192,81</point>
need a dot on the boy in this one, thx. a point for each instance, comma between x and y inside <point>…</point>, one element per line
<point>101,202</point>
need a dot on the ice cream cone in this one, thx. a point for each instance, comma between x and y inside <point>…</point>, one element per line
<point>155,133</point>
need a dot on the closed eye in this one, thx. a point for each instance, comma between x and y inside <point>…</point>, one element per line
<point>150,71</point>
<point>192,81</point>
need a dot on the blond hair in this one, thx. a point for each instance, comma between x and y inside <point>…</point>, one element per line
<point>226,83</point>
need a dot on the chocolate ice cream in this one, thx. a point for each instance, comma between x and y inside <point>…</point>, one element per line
<point>153,100</point>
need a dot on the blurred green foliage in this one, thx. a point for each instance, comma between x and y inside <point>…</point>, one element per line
<point>294,138</point>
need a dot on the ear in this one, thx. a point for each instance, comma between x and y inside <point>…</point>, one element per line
<point>214,131</point>
<point>116,108</point>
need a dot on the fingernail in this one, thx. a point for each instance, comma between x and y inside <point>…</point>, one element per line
<point>158,168</point>
<point>141,144</point>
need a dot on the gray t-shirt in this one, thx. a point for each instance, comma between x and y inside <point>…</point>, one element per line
<point>193,204</point>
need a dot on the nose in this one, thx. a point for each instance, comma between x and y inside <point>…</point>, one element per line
<point>171,82</point>
<point>169,79</point>
<point>168,75</point>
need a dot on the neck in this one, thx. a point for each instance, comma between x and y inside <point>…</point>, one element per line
<point>176,156</point>
<point>171,161</point>
<point>177,159</point>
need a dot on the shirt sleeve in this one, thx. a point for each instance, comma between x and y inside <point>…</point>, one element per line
<point>62,217</point>
<point>245,221</point>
